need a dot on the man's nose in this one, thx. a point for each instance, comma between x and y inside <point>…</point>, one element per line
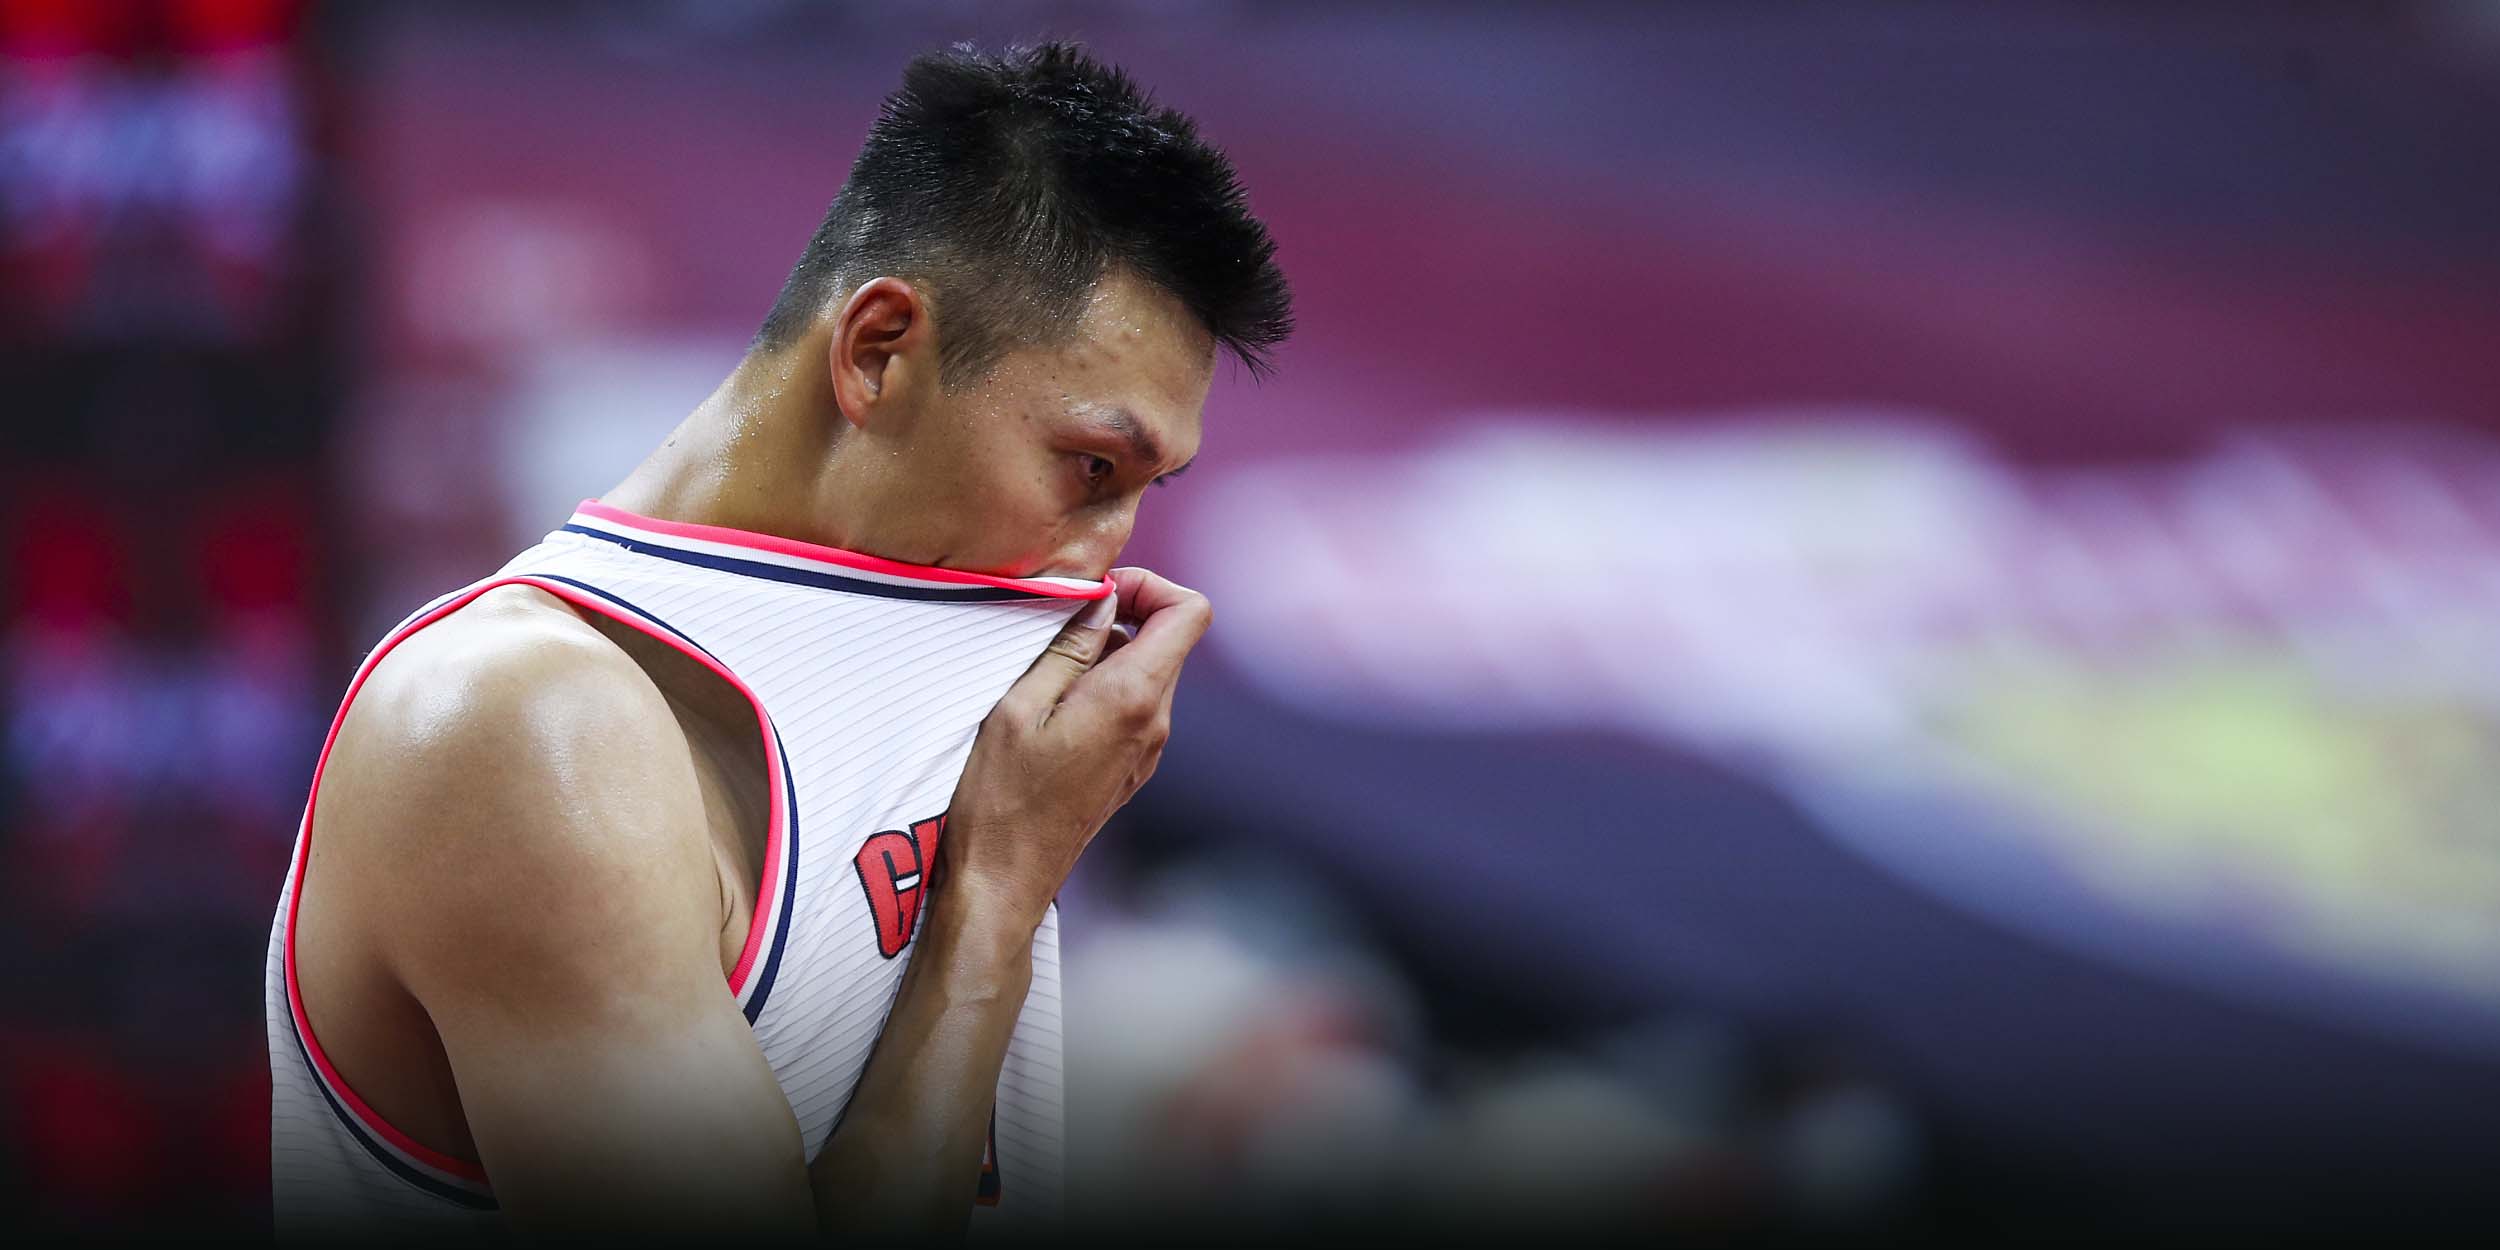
<point>1097,548</point>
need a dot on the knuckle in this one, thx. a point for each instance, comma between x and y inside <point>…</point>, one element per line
<point>1127,704</point>
<point>1197,609</point>
<point>1013,718</point>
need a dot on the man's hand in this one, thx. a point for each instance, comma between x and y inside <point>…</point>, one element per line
<point>1070,743</point>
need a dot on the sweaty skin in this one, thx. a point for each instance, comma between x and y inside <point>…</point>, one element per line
<point>539,835</point>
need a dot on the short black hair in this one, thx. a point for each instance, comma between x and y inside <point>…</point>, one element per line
<point>1012,184</point>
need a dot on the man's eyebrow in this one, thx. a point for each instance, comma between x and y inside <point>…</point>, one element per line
<point>1125,424</point>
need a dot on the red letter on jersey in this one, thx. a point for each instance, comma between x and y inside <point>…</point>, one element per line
<point>893,869</point>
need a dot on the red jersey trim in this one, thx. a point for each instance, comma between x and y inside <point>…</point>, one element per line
<point>767,898</point>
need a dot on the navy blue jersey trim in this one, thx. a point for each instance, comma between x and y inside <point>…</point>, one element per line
<point>578,584</point>
<point>771,966</point>
<point>789,886</point>
<point>809,577</point>
<point>393,1163</point>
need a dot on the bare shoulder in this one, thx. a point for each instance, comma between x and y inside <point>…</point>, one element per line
<point>496,684</point>
<point>510,787</point>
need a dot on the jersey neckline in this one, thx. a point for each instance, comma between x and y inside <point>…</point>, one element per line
<point>692,539</point>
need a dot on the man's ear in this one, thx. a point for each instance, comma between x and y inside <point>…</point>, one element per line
<point>883,345</point>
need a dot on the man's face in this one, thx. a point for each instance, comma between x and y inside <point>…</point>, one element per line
<point>1038,469</point>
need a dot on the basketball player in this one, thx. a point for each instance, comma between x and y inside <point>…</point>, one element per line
<point>695,871</point>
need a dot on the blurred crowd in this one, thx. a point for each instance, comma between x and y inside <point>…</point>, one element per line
<point>1247,1057</point>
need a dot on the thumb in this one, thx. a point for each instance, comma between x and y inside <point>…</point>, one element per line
<point>1073,651</point>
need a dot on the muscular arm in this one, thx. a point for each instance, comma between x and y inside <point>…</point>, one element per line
<point>522,844</point>
<point>1067,746</point>
<point>905,1158</point>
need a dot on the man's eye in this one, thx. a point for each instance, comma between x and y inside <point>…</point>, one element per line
<point>1096,468</point>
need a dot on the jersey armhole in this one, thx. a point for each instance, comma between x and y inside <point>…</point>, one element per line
<point>463,1181</point>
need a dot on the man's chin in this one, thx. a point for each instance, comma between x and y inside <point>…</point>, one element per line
<point>1027,570</point>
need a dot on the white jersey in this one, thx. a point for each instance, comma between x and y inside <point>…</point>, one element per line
<point>869,679</point>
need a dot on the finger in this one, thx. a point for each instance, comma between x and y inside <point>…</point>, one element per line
<point>1077,647</point>
<point>1143,592</point>
<point>1116,638</point>
<point>1145,595</point>
<point>1172,619</point>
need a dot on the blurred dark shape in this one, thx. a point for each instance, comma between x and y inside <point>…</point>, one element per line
<point>169,362</point>
<point>1247,1058</point>
<point>68,561</point>
<point>94,1122</point>
<point>153,162</point>
<point>255,555</point>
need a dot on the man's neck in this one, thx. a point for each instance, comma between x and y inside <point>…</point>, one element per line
<point>760,455</point>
